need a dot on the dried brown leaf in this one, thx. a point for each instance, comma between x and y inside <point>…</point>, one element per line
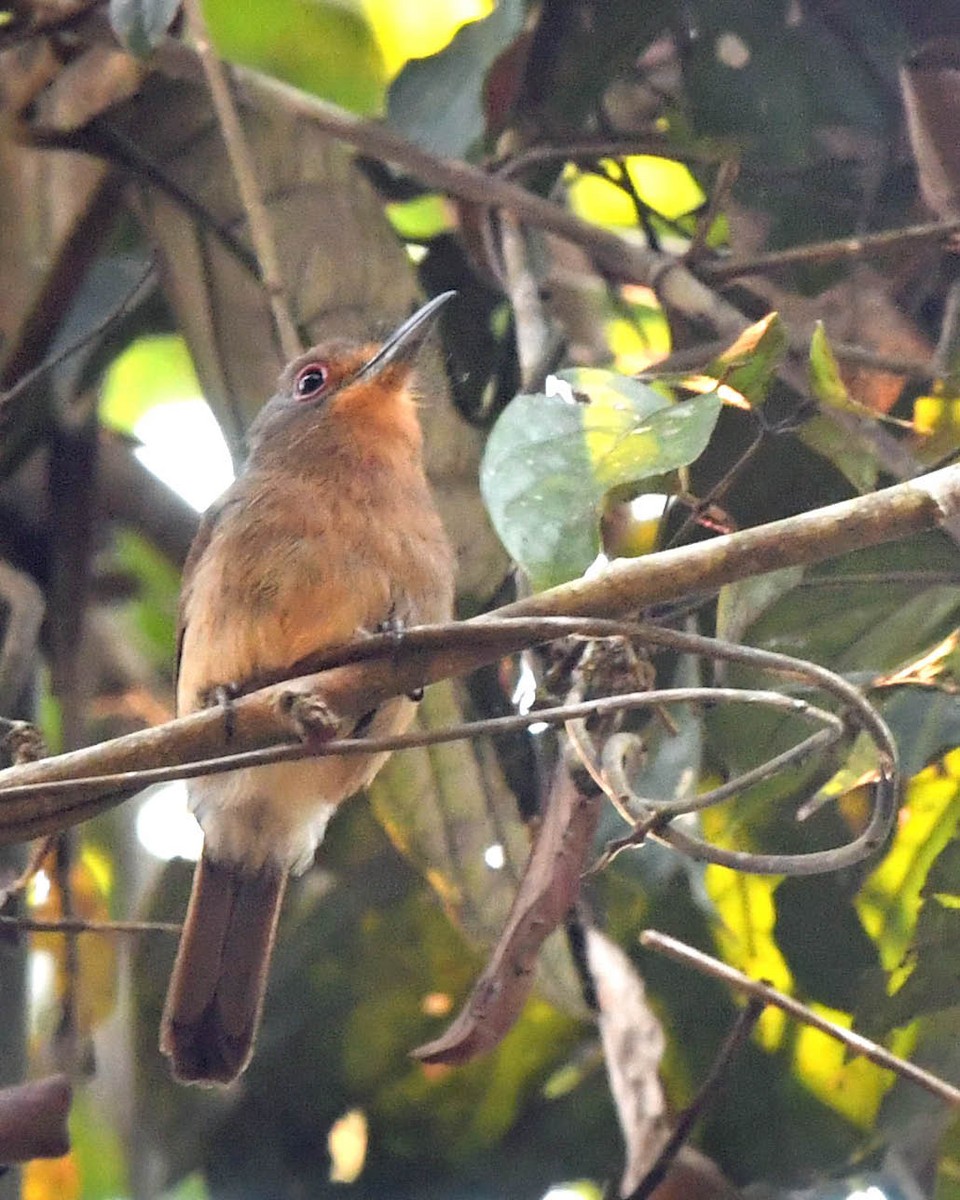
<point>930,86</point>
<point>547,892</point>
<point>450,811</point>
<point>633,1045</point>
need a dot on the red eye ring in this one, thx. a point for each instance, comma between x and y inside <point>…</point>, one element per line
<point>310,381</point>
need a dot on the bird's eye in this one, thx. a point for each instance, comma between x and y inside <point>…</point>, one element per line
<point>310,381</point>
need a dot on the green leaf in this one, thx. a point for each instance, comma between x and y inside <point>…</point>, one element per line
<point>550,460</point>
<point>853,457</point>
<point>925,722</point>
<point>98,1149</point>
<point>421,219</point>
<point>827,970</point>
<point>142,24</point>
<point>853,615</point>
<point>932,984</point>
<point>826,382</point>
<point>742,603</point>
<point>325,48</point>
<point>750,364</point>
<point>438,102</point>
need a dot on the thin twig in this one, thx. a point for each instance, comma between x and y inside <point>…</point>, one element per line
<point>823,739</point>
<point>591,149</point>
<point>616,256</point>
<point>734,1042</point>
<point>144,279</point>
<point>653,822</point>
<point>488,727</point>
<point>68,1030</point>
<point>723,185</point>
<point>244,172</point>
<point>533,335</point>
<point>692,357</point>
<point>822,252</point>
<point>75,925</point>
<point>707,965</point>
<point>904,510</point>
<point>862,356</point>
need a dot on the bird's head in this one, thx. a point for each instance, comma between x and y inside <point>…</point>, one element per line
<point>359,390</point>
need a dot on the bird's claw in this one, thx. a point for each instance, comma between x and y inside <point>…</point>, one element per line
<point>312,718</point>
<point>23,741</point>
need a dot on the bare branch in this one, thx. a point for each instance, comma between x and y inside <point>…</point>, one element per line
<point>737,1038</point>
<point>707,965</point>
<point>350,689</point>
<point>489,727</point>
<point>727,176</point>
<point>823,252</point>
<point>241,162</point>
<point>74,925</point>
<point>617,257</point>
<point>908,508</point>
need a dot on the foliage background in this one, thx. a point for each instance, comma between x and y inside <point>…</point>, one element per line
<point>629,115</point>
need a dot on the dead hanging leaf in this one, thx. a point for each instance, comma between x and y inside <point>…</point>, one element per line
<point>548,890</point>
<point>33,1120</point>
<point>633,1045</point>
<point>449,810</point>
<point>930,86</point>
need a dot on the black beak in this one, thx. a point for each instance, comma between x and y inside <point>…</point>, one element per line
<point>404,343</point>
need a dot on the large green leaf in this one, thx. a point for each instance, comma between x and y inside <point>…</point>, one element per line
<point>862,614</point>
<point>324,48</point>
<point>439,101</point>
<point>933,983</point>
<point>551,459</point>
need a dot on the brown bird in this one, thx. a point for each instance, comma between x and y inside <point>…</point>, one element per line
<point>329,531</point>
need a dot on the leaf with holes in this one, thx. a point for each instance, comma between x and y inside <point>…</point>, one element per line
<point>551,459</point>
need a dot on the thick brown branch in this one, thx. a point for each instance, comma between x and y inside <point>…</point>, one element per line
<point>263,718</point>
<point>627,585</point>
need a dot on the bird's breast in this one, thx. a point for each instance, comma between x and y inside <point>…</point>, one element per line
<point>297,569</point>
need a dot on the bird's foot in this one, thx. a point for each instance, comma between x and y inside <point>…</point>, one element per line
<point>22,741</point>
<point>313,720</point>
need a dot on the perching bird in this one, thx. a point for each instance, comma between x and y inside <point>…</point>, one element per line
<point>329,531</point>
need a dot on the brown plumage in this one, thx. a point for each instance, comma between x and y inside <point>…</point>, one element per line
<point>329,531</point>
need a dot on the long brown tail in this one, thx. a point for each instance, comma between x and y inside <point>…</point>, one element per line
<point>216,991</point>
